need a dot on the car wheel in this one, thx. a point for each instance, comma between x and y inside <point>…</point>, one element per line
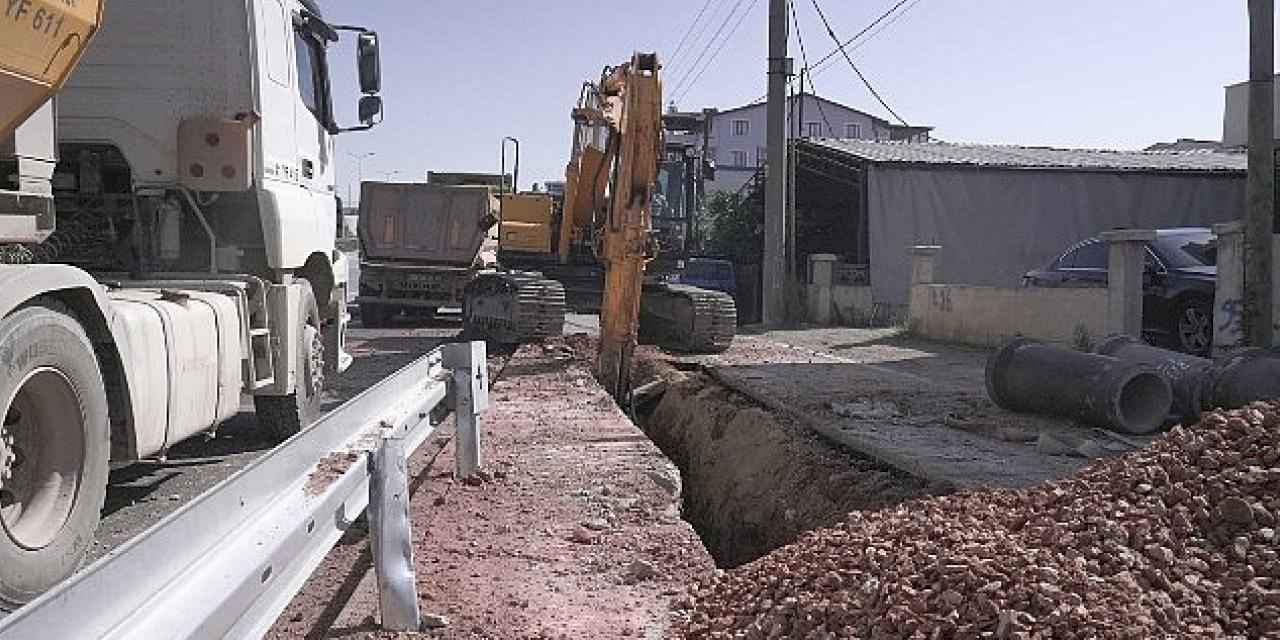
<point>1193,327</point>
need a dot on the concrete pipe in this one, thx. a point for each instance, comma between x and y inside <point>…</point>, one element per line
<point>1190,377</point>
<point>1031,377</point>
<point>1245,377</point>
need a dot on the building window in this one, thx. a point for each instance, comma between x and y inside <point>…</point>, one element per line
<point>741,127</point>
<point>740,159</point>
<point>853,130</point>
<point>814,129</point>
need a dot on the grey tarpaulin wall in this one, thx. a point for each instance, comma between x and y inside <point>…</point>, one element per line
<point>996,224</point>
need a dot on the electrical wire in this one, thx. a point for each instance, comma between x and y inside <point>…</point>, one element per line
<point>826,60</point>
<point>839,45</point>
<point>693,68</point>
<point>712,59</point>
<point>804,57</point>
<point>819,68</point>
<point>683,39</point>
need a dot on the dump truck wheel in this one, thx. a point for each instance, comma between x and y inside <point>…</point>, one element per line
<point>54,449</point>
<point>286,416</point>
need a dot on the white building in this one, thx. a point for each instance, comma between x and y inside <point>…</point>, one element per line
<point>737,140</point>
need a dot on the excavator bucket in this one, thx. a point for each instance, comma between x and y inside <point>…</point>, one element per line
<point>40,43</point>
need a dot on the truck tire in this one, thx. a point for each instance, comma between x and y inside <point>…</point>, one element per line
<point>285,416</point>
<point>55,445</point>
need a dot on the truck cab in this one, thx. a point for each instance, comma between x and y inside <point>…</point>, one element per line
<point>182,253</point>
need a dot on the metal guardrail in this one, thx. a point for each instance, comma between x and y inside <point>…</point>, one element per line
<point>226,564</point>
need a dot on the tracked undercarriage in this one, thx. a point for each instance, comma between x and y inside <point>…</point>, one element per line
<point>685,318</point>
<point>513,307</point>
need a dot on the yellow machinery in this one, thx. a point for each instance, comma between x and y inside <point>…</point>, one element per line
<point>40,43</point>
<point>603,220</point>
<point>527,221</point>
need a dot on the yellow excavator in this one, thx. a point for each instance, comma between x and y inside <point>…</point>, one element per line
<point>597,235</point>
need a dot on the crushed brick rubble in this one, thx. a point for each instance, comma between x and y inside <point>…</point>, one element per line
<point>1177,540</point>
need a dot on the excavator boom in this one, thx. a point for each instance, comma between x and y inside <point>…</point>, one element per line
<point>632,96</point>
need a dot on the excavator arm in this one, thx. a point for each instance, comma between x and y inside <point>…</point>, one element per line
<point>630,98</point>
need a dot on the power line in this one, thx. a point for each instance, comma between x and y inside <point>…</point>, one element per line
<point>871,36</point>
<point>867,83</point>
<point>694,67</point>
<point>804,57</point>
<point>724,42</point>
<point>680,47</point>
<point>825,61</point>
<point>841,45</point>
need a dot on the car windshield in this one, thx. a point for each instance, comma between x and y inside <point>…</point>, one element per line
<point>1188,250</point>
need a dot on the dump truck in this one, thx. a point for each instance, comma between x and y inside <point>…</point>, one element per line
<point>167,244</point>
<point>421,243</point>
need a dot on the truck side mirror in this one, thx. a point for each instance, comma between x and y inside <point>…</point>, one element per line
<point>370,110</point>
<point>369,62</point>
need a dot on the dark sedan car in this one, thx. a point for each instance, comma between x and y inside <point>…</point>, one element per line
<point>1181,270</point>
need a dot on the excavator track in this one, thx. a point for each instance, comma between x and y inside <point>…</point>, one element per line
<point>690,319</point>
<point>513,307</point>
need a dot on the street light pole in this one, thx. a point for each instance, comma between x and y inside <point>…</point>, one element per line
<point>359,158</point>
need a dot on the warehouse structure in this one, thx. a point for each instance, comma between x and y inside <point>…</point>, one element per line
<point>998,210</point>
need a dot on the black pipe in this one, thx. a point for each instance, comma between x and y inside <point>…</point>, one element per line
<point>1245,377</point>
<point>1031,377</point>
<point>1190,377</point>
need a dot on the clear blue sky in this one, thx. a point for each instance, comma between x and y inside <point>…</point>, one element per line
<point>458,76</point>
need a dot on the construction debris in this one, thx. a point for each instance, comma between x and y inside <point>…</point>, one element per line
<point>1176,539</point>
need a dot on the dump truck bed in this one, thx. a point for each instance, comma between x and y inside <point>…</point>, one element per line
<point>425,223</point>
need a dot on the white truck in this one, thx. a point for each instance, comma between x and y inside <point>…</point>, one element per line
<point>167,225</point>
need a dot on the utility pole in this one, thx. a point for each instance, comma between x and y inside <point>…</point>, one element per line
<point>775,201</point>
<point>1260,222</point>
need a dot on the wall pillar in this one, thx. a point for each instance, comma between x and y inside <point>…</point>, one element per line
<point>1128,252</point>
<point>821,270</point>
<point>924,259</point>
<point>1228,296</point>
<point>923,263</point>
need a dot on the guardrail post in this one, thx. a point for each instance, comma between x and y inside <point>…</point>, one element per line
<point>392,538</point>
<point>470,397</point>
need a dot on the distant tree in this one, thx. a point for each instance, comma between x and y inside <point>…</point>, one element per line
<point>735,228</point>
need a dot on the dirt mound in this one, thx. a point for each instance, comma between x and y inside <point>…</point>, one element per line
<point>1175,540</point>
<point>754,482</point>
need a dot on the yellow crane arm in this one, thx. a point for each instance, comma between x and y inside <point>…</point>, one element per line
<point>41,42</point>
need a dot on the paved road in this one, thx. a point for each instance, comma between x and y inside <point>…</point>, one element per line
<point>142,494</point>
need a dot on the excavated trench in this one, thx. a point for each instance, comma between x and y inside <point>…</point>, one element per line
<point>753,482</point>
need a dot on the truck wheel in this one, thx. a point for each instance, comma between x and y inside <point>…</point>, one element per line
<point>286,416</point>
<point>375,316</point>
<point>54,449</point>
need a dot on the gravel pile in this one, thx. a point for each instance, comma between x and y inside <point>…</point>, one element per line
<point>1177,540</point>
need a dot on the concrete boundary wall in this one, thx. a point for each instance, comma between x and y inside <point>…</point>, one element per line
<point>990,316</point>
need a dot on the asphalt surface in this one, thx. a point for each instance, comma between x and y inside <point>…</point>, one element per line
<point>142,494</point>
